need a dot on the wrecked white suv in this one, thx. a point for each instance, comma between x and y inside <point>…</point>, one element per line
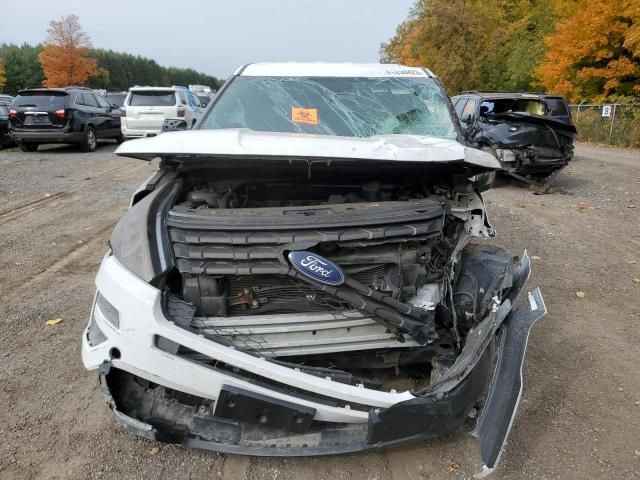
<point>299,276</point>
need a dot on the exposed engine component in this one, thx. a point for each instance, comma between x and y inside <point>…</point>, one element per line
<point>392,241</point>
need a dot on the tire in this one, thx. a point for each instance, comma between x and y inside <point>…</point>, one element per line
<point>119,139</point>
<point>28,147</point>
<point>89,141</point>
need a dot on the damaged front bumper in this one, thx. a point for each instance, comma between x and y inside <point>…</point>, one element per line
<point>536,161</point>
<point>249,405</point>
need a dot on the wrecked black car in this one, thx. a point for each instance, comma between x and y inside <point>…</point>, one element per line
<point>307,273</point>
<point>529,135</point>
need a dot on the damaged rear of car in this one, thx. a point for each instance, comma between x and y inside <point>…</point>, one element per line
<point>519,129</point>
<point>300,292</point>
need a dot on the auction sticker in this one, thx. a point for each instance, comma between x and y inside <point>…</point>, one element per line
<point>304,115</point>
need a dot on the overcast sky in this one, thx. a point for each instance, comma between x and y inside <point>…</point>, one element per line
<point>215,37</point>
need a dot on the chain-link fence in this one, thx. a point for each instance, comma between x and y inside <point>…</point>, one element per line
<point>610,123</point>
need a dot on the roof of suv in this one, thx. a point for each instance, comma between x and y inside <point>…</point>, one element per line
<point>61,89</point>
<point>138,88</point>
<point>322,69</point>
<point>501,94</point>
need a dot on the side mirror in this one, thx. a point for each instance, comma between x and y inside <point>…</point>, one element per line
<point>174,124</point>
<point>466,117</point>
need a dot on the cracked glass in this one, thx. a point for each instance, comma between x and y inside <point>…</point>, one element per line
<point>351,107</point>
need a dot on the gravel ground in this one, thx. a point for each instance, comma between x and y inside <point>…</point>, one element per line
<point>580,414</point>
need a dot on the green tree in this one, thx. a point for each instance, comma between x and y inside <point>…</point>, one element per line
<point>3,79</point>
<point>452,38</point>
<point>116,71</point>
<point>22,68</point>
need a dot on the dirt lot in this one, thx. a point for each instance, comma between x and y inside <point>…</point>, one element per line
<point>580,415</point>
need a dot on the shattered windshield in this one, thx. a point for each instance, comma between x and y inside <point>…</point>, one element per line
<point>351,107</point>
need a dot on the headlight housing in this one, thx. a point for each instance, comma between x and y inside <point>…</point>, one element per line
<point>139,240</point>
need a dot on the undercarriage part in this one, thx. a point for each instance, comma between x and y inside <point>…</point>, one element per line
<point>541,186</point>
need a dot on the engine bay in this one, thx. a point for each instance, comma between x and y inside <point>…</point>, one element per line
<point>398,243</point>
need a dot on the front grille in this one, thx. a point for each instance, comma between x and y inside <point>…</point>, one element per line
<point>251,270</point>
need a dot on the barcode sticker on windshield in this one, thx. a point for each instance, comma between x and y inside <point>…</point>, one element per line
<point>304,115</point>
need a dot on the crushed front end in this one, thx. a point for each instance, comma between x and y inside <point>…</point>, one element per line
<point>296,307</point>
<point>526,145</point>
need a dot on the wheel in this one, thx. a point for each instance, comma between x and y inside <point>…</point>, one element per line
<point>28,147</point>
<point>89,142</point>
<point>120,138</point>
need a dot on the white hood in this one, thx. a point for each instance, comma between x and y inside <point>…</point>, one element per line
<point>246,143</point>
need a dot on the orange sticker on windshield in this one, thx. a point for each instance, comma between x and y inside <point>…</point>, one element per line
<point>304,115</point>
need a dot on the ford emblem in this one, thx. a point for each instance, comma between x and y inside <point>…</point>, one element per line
<point>316,268</point>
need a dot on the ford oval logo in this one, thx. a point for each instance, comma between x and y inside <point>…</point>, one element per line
<point>316,268</point>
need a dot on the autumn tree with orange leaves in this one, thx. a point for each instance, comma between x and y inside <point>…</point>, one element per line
<point>583,49</point>
<point>65,56</point>
<point>3,79</point>
<point>595,52</point>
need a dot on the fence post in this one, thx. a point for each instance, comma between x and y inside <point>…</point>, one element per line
<point>578,112</point>
<point>613,119</point>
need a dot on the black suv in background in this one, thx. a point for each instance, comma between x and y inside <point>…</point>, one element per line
<point>63,115</point>
<point>522,130</point>
<point>5,138</point>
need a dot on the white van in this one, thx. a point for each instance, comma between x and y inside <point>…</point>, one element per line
<point>146,108</point>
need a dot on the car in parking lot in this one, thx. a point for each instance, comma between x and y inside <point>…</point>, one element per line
<point>74,115</point>
<point>116,98</point>
<point>146,109</point>
<point>5,138</point>
<point>298,276</point>
<point>520,129</point>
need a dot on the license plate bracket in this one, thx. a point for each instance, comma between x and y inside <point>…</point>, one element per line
<point>242,405</point>
<point>36,120</point>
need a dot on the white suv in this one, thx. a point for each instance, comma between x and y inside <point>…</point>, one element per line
<point>146,108</point>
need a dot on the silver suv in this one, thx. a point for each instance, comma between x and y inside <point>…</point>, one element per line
<point>146,108</point>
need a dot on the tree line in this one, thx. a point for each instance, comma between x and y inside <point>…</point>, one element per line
<point>68,58</point>
<point>115,71</point>
<point>582,49</point>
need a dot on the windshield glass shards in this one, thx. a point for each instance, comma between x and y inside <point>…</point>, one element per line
<point>352,107</point>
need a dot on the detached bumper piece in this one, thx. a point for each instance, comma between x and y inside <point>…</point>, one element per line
<point>244,422</point>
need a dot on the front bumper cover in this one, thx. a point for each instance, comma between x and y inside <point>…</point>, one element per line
<point>496,345</point>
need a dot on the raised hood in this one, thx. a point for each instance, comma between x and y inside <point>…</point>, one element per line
<point>249,144</point>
